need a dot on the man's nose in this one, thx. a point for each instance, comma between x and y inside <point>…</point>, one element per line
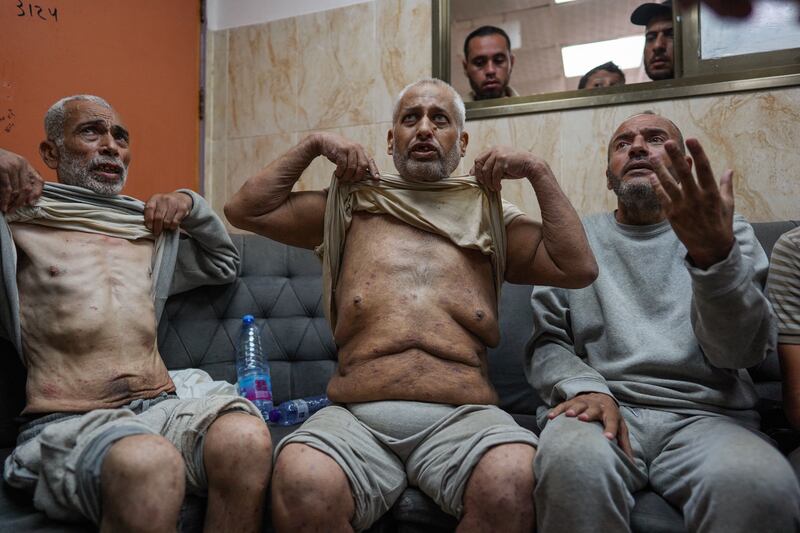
<point>490,69</point>
<point>661,41</point>
<point>108,145</point>
<point>638,147</point>
<point>425,128</point>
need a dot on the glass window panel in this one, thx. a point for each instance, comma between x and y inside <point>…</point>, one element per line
<point>772,26</point>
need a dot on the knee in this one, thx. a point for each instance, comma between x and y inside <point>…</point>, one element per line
<point>764,484</point>
<point>574,452</point>
<point>503,478</point>
<point>306,480</point>
<point>237,445</point>
<point>501,486</point>
<point>144,461</point>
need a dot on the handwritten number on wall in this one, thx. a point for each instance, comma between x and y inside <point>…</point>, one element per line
<point>8,118</point>
<point>36,10</point>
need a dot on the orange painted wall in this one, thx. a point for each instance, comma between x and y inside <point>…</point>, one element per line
<point>143,56</point>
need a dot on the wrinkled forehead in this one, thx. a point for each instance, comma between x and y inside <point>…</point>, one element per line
<point>426,97</point>
<point>82,111</point>
<point>637,123</point>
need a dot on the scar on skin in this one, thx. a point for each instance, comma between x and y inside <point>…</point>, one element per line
<point>479,314</point>
<point>54,271</point>
<point>357,300</point>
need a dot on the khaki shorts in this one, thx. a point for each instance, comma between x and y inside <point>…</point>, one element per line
<point>384,446</point>
<point>59,457</point>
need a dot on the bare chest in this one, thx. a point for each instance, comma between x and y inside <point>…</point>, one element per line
<point>63,264</point>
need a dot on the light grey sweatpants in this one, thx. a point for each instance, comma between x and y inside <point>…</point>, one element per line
<point>724,476</point>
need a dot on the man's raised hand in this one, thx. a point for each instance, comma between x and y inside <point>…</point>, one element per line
<point>700,211</point>
<point>166,211</point>
<point>352,161</point>
<point>597,407</point>
<point>502,162</point>
<point>20,184</point>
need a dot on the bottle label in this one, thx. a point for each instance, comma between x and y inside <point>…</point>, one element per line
<point>256,387</point>
<point>302,410</point>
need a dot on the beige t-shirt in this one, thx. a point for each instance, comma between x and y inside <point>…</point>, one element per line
<point>458,208</point>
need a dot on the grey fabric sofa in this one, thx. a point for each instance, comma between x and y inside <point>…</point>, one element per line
<point>281,286</point>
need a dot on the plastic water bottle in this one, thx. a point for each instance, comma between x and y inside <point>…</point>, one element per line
<point>251,368</point>
<point>295,411</point>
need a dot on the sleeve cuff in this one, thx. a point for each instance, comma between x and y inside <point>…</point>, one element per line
<point>194,196</point>
<point>570,388</point>
<point>722,277</point>
<point>785,338</point>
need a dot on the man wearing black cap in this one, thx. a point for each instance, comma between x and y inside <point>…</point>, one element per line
<point>658,52</point>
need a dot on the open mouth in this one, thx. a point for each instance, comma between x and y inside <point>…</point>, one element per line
<point>108,170</point>
<point>424,150</point>
<point>639,167</point>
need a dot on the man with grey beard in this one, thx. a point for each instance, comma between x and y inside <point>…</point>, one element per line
<point>412,268</point>
<point>86,273</point>
<point>645,372</point>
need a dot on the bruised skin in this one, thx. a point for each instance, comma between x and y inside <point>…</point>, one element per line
<point>415,315</point>
<point>87,318</point>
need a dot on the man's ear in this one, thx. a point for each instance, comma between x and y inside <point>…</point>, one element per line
<point>512,62</point>
<point>608,180</point>
<point>389,143</point>
<point>464,66</point>
<point>50,154</point>
<point>464,138</point>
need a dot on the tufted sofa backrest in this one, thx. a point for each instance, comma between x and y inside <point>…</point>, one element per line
<point>281,287</point>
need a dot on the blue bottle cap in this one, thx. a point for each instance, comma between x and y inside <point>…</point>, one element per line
<point>248,319</point>
<point>274,415</point>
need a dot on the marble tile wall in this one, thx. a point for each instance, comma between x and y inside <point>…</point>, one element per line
<point>268,85</point>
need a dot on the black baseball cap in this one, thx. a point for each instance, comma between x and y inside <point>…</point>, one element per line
<point>642,15</point>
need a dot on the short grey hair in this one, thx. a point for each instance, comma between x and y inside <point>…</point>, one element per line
<point>56,116</point>
<point>458,102</point>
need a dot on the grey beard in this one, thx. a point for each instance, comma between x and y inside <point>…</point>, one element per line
<point>72,171</point>
<point>636,197</point>
<point>427,170</point>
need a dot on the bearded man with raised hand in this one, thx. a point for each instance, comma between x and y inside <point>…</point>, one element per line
<point>645,371</point>
<point>86,273</point>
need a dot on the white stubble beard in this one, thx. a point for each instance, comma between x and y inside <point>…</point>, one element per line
<point>429,171</point>
<point>73,171</point>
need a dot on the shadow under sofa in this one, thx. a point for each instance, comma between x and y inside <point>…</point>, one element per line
<point>281,286</point>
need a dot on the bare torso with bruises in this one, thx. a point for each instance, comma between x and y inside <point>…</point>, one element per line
<point>415,316</point>
<point>87,318</point>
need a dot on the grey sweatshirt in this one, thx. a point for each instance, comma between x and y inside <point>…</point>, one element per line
<point>652,330</point>
<point>205,255</point>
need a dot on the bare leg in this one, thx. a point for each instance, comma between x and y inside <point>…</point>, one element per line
<point>142,482</point>
<point>310,492</point>
<point>238,458</point>
<point>500,491</point>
